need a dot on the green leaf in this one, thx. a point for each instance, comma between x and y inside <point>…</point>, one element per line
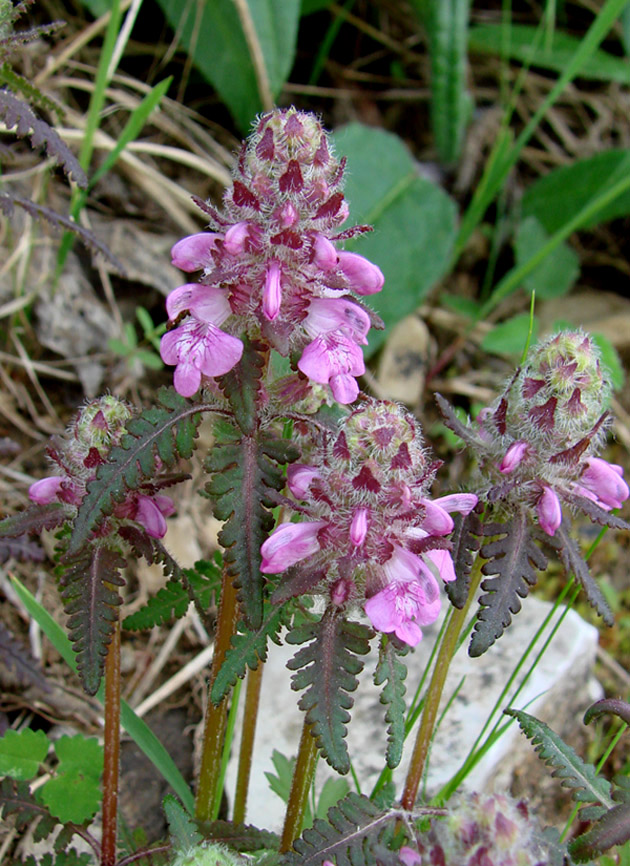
<point>171,602</point>
<point>587,786</point>
<point>611,360</point>
<point>71,797</point>
<point>79,754</point>
<point>392,671</point>
<point>509,338</point>
<point>556,273</point>
<point>21,753</point>
<point>522,46</point>
<point>414,220</point>
<point>555,198</point>
<point>333,790</point>
<point>137,729</point>
<point>182,830</point>
<point>216,41</point>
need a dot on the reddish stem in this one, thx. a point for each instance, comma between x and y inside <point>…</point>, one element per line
<point>250,715</point>
<point>111,749</point>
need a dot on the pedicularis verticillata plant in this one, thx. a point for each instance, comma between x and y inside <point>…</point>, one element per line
<point>331,538</point>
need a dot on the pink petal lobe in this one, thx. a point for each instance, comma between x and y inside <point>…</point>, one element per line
<point>605,481</point>
<point>236,237</point>
<point>150,516</point>
<point>437,521</point>
<point>549,511</point>
<point>443,561</point>
<point>193,253</point>
<point>324,253</point>
<point>299,478</point>
<point>513,456</point>
<point>272,292</point>
<point>288,544</point>
<point>331,314</point>
<point>44,491</point>
<point>359,527</point>
<point>461,502</point>
<point>364,277</point>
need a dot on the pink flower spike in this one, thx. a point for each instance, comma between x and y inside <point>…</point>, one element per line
<point>359,526</point>
<point>324,253</point>
<point>236,237</point>
<point>514,456</point>
<point>437,521</point>
<point>461,502</point>
<point>364,277</point>
<point>605,481</point>
<point>288,544</point>
<point>272,292</point>
<point>333,358</point>
<point>199,348</point>
<point>409,857</point>
<point>299,478</point>
<point>150,516</point>
<point>549,511</point>
<point>331,314</point>
<point>443,561</point>
<point>192,253</point>
<point>45,491</point>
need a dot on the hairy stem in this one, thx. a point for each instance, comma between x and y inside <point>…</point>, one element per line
<point>300,786</point>
<point>434,693</point>
<point>250,716</point>
<point>208,793</point>
<point>111,749</point>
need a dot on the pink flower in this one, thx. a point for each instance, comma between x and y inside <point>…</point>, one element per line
<point>288,544</point>
<point>514,456</point>
<point>605,480</point>
<point>337,314</point>
<point>199,346</point>
<point>549,511</point>
<point>272,293</point>
<point>236,237</point>
<point>359,526</point>
<point>45,491</point>
<point>192,253</point>
<point>409,857</point>
<point>443,561</point>
<point>325,254</point>
<point>334,359</point>
<point>410,599</point>
<point>299,478</point>
<point>151,511</point>
<point>363,277</point>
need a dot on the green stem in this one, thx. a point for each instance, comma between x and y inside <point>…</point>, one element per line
<point>434,693</point>
<point>250,716</point>
<point>300,787</point>
<point>111,749</point>
<point>209,791</point>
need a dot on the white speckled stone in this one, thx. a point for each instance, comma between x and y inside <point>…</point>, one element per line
<point>561,687</point>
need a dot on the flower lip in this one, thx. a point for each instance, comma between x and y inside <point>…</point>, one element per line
<point>199,348</point>
<point>45,491</point>
<point>289,543</point>
<point>605,481</point>
<point>363,277</point>
<point>193,253</point>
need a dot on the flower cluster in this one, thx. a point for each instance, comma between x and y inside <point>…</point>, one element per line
<point>371,535</point>
<point>538,442</point>
<point>96,429</point>
<point>483,830</point>
<point>270,267</point>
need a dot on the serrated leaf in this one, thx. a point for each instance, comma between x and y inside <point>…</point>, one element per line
<point>249,648</point>
<point>182,830</point>
<point>34,519</point>
<point>328,668</point>
<point>355,833</point>
<point>465,540</point>
<point>21,753</point>
<point>556,273</point>
<point>513,558</point>
<point>575,564</point>
<point>22,549</point>
<point>167,431</point>
<point>172,601</point>
<point>91,601</point>
<point>393,672</point>
<point>333,790</point>
<point>71,797</point>
<point>216,41</point>
<point>240,837</point>
<point>573,772</point>
<point>17,800</point>
<point>385,190</point>
<point>612,829</point>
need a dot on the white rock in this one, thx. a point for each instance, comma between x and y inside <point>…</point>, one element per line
<point>562,680</point>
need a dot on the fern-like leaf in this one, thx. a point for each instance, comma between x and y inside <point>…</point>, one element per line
<point>91,601</point>
<point>356,832</point>
<point>167,431</point>
<point>249,648</point>
<point>17,659</point>
<point>466,539</point>
<point>328,668</point>
<point>240,837</point>
<point>246,470</point>
<point>34,519</point>
<point>573,772</point>
<point>393,672</point>
<point>242,385</point>
<point>454,423</point>
<point>613,828</point>
<point>20,116</point>
<point>594,512</point>
<point>17,800</point>
<point>512,558</point>
<point>574,563</point>
<point>21,549</point>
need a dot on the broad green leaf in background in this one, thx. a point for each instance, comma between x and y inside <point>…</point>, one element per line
<point>212,32</point>
<point>559,195</point>
<point>557,273</point>
<point>414,220</point>
<point>600,66</point>
<point>510,337</point>
<point>97,7</point>
<point>22,752</point>
<point>74,793</point>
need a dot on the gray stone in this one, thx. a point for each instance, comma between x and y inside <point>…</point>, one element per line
<point>559,690</point>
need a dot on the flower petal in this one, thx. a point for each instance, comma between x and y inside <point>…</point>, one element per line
<point>605,481</point>
<point>437,520</point>
<point>363,277</point>
<point>461,502</point>
<point>192,253</point>
<point>150,516</point>
<point>513,456</point>
<point>299,478</point>
<point>331,314</point>
<point>443,561</point>
<point>288,544</point>
<point>549,511</point>
<point>272,292</point>
<point>45,491</point>
<point>359,526</point>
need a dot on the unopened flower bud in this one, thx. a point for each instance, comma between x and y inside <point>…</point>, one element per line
<point>363,277</point>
